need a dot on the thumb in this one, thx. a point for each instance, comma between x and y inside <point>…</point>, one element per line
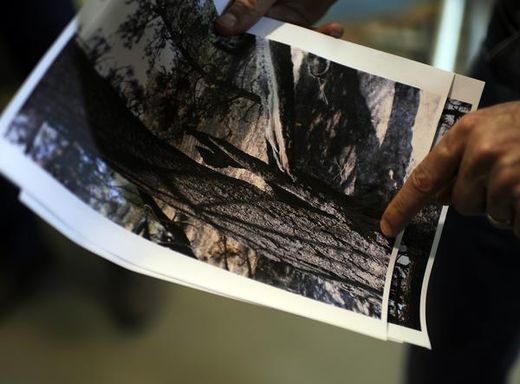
<point>242,15</point>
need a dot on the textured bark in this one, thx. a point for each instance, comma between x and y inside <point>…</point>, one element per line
<point>195,137</point>
<point>385,172</point>
<point>292,229</point>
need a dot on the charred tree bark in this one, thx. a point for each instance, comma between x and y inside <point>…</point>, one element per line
<point>385,172</point>
<point>283,71</point>
<point>307,238</point>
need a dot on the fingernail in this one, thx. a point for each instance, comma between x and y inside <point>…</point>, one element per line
<point>386,228</point>
<point>227,20</point>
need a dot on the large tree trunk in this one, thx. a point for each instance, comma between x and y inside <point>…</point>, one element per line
<point>294,231</point>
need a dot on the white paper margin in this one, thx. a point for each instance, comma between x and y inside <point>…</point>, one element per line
<point>467,90</point>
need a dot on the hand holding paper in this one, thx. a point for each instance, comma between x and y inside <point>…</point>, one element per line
<point>243,14</point>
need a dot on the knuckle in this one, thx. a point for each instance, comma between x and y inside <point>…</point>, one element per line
<point>467,124</point>
<point>422,180</point>
<point>485,152</point>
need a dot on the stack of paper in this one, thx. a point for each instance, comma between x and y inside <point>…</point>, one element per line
<point>254,167</point>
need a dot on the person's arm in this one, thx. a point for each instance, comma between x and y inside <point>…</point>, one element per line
<point>243,14</point>
<point>475,168</point>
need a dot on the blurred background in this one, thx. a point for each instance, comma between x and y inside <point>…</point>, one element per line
<point>69,316</point>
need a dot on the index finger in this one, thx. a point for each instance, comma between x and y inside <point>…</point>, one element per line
<point>435,172</point>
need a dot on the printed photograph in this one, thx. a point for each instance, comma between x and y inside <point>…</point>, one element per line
<point>244,153</point>
<point>414,250</point>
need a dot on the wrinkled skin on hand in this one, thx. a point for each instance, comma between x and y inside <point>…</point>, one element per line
<point>243,14</point>
<point>475,168</point>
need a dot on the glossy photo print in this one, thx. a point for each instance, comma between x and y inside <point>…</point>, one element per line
<point>253,167</point>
